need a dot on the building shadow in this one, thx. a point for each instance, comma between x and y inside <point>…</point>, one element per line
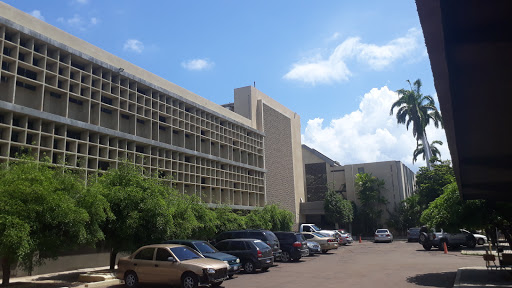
<point>441,279</point>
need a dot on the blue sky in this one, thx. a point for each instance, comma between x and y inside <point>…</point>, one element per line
<point>335,63</point>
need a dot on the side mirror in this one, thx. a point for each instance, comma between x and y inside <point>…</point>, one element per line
<point>171,259</point>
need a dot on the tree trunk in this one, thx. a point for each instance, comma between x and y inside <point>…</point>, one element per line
<point>426,150</point>
<point>6,271</point>
<point>113,255</point>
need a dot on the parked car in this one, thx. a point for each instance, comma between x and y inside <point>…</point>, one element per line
<point>326,242</point>
<point>313,247</point>
<point>480,239</point>
<point>413,234</point>
<point>254,254</point>
<point>293,246</point>
<point>345,237</point>
<point>263,235</point>
<point>433,238</point>
<point>208,251</point>
<point>170,264</point>
<point>383,235</point>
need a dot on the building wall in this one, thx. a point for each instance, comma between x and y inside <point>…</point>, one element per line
<point>263,112</point>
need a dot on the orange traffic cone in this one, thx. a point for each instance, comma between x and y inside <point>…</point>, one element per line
<point>360,239</point>
<point>445,248</point>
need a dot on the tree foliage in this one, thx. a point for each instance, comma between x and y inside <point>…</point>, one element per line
<point>430,183</point>
<point>271,217</point>
<point>337,209</point>
<point>421,151</point>
<point>44,210</point>
<point>368,189</point>
<point>406,215</point>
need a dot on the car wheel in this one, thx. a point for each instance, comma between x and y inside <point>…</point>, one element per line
<point>324,251</point>
<point>189,280</point>
<point>131,279</point>
<point>471,242</point>
<point>264,269</point>
<point>423,238</point>
<point>427,247</point>
<point>249,267</point>
<point>481,241</point>
<point>285,256</point>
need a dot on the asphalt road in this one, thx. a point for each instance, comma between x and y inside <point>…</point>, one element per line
<point>367,264</point>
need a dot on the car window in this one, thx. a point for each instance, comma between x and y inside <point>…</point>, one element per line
<point>382,231</point>
<point>204,247</point>
<point>320,235</point>
<point>162,254</point>
<point>271,236</point>
<point>308,236</point>
<point>222,246</point>
<point>145,254</point>
<point>300,237</point>
<point>255,235</point>
<point>261,245</point>
<point>237,246</point>
<point>185,253</point>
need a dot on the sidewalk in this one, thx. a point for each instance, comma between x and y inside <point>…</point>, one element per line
<point>81,278</point>
<point>477,277</point>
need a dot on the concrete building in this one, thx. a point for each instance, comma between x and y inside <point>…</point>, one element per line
<point>82,107</point>
<point>322,173</point>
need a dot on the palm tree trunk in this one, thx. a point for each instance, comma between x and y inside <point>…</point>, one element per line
<point>426,150</point>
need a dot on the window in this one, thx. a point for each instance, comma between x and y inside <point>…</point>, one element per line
<point>124,116</point>
<point>76,101</point>
<point>105,110</point>
<point>145,254</point>
<point>185,253</point>
<point>25,85</point>
<point>162,254</point>
<point>360,170</point>
<point>237,246</point>
<point>56,95</point>
<point>140,121</point>
<point>222,246</point>
<point>27,73</point>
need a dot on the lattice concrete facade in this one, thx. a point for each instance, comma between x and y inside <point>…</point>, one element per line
<point>65,99</point>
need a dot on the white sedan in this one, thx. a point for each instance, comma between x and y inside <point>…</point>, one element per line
<point>480,239</point>
<point>383,235</point>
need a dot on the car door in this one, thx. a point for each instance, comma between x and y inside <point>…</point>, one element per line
<point>143,264</point>
<point>166,271</point>
<point>239,249</point>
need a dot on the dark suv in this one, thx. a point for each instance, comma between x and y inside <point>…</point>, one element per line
<point>293,245</point>
<point>254,254</point>
<point>263,235</point>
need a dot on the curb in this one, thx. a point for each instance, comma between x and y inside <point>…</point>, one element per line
<point>101,284</point>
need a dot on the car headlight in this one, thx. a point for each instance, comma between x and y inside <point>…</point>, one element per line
<point>237,260</point>
<point>210,271</point>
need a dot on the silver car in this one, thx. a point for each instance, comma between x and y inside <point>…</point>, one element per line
<point>313,247</point>
<point>383,235</point>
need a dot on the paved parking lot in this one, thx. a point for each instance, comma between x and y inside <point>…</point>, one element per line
<point>367,264</point>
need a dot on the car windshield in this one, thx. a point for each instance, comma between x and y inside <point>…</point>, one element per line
<point>261,245</point>
<point>205,247</point>
<point>185,253</point>
<point>382,231</point>
<point>320,235</point>
<point>316,228</point>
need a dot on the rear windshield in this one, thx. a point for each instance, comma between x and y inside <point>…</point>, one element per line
<point>300,238</point>
<point>261,245</point>
<point>382,231</point>
<point>271,236</point>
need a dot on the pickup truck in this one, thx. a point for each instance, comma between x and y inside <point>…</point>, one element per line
<point>314,228</point>
<point>429,239</point>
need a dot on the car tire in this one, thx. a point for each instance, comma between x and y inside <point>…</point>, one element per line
<point>324,251</point>
<point>481,241</point>
<point>427,247</point>
<point>285,257</point>
<point>189,280</point>
<point>131,279</point>
<point>423,238</point>
<point>249,267</point>
<point>471,242</point>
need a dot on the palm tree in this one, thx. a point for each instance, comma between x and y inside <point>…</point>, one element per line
<point>414,107</point>
<point>419,150</point>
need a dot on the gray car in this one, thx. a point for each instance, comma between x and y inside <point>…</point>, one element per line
<point>413,234</point>
<point>313,247</point>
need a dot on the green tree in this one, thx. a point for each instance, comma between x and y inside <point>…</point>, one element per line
<point>414,107</point>
<point>45,210</point>
<point>368,189</point>
<point>142,207</point>
<point>228,220</point>
<point>337,209</point>
<point>271,217</point>
<point>420,151</point>
<point>406,214</point>
<point>430,182</point>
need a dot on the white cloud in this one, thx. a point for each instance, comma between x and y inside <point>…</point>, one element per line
<point>369,134</point>
<point>133,45</point>
<point>333,37</point>
<point>77,22</point>
<point>37,14</point>
<point>320,69</point>
<point>197,64</point>
<point>81,1</point>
